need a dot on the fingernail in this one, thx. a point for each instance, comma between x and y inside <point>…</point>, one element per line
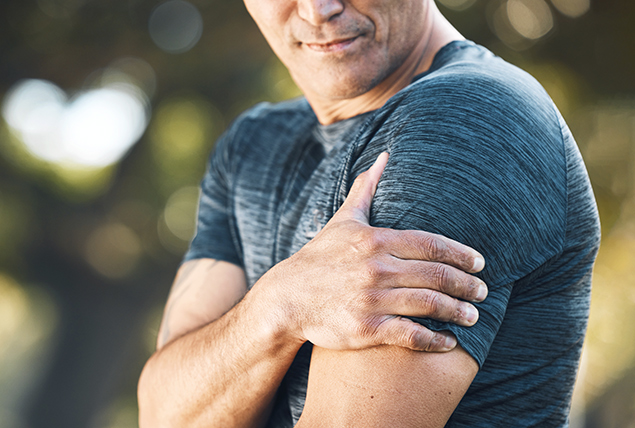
<point>471,314</point>
<point>479,263</point>
<point>449,344</point>
<point>481,294</point>
<point>381,161</point>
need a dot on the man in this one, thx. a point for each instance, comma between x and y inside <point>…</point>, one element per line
<point>367,304</point>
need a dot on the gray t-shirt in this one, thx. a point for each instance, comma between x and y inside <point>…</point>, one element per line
<point>478,153</point>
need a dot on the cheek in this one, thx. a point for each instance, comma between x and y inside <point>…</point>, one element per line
<point>399,20</point>
<point>271,17</point>
<point>382,14</point>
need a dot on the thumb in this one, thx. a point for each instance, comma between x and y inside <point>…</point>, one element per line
<point>360,197</point>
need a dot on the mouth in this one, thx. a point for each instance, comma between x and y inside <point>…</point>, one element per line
<point>332,46</point>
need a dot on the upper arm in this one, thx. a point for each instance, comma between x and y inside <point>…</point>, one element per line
<point>385,386</point>
<point>482,164</point>
<point>486,171</point>
<point>203,290</point>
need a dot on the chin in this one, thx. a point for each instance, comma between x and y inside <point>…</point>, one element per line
<point>343,86</point>
<point>341,92</point>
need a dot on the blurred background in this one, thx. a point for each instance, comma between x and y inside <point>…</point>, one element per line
<point>109,110</point>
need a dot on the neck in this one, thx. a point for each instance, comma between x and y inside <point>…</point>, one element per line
<point>438,33</point>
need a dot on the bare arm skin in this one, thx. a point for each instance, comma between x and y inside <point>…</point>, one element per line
<point>192,303</point>
<point>219,364</point>
<point>220,373</point>
<point>385,386</point>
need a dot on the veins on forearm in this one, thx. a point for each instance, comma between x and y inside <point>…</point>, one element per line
<point>181,285</point>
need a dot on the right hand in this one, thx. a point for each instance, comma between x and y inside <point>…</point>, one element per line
<point>351,286</point>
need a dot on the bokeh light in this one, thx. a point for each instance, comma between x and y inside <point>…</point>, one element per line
<point>28,321</point>
<point>177,223</point>
<point>101,125</point>
<point>182,134</point>
<point>95,129</point>
<point>613,299</point>
<point>532,19</point>
<point>520,24</point>
<point>113,249</point>
<point>563,84</point>
<point>457,5</point>
<point>182,128</point>
<point>16,224</point>
<point>180,212</point>
<point>175,26</point>
<point>34,109</point>
<point>572,8</point>
<point>130,71</point>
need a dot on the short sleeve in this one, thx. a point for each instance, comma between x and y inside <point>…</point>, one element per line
<point>478,159</point>
<point>216,235</point>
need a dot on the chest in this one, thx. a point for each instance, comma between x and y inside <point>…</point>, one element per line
<point>280,203</point>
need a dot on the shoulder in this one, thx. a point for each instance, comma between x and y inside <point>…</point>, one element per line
<point>472,69</point>
<point>266,112</point>
<point>479,91</point>
<point>262,129</point>
<point>478,105</point>
<point>476,154</point>
<point>269,118</point>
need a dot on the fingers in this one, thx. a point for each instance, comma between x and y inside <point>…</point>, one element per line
<point>419,245</point>
<point>403,332</point>
<point>439,277</point>
<point>360,197</point>
<point>408,244</point>
<point>430,304</point>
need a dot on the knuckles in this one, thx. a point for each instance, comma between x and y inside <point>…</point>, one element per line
<point>369,239</point>
<point>437,305</point>
<point>444,278</point>
<point>418,338</point>
<point>454,283</point>
<point>366,330</point>
<point>435,342</point>
<point>422,339</point>
<point>473,289</point>
<point>370,301</point>
<point>374,271</point>
<point>431,303</point>
<point>434,247</point>
<point>410,339</point>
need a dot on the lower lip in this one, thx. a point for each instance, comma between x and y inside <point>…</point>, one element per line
<point>331,47</point>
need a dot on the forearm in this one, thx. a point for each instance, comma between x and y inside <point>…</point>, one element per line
<point>223,374</point>
<point>341,291</point>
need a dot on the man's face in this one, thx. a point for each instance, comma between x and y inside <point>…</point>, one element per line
<point>340,49</point>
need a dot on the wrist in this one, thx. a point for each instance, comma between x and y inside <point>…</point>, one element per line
<point>274,311</point>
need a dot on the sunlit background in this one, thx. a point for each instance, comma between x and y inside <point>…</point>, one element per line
<point>108,113</point>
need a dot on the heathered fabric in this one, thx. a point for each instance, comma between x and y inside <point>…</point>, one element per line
<point>478,153</point>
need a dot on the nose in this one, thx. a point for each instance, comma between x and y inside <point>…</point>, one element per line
<point>318,12</point>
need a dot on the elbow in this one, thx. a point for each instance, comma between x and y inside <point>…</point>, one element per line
<point>144,398</point>
<point>159,405</point>
<point>151,413</point>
